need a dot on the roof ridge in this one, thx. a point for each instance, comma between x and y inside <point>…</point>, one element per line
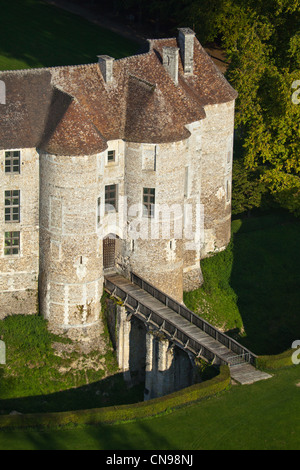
<point>143,104</point>
<point>46,69</point>
<point>142,80</point>
<point>133,56</point>
<point>153,41</point>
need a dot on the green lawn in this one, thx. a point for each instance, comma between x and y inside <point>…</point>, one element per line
<point>37,379</point>
<point>36,34</point>
<point>264,415</point>
<point>252,289</point>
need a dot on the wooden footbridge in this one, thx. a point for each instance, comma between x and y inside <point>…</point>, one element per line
<point>183,327</point>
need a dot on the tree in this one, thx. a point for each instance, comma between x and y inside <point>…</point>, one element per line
<point>262,41</point>
<point>248,191</point>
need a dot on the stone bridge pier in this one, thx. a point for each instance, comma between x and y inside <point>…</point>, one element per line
<point>145,354</point>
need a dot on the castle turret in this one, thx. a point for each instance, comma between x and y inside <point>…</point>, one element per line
<point>71,274</point>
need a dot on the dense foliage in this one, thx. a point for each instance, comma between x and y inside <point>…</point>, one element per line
<point>262,42</point>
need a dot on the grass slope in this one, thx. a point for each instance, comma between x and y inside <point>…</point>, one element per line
<point>252,289</point>
<point>36,34</point>
<point>38,379</point>
<point>264,415</point>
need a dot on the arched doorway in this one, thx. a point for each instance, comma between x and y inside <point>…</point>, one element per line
<point>109,251</point>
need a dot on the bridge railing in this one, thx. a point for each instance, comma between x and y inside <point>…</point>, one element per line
<point>174,333</point>
<point>206,327</point>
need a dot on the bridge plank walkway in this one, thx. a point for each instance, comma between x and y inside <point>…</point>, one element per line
<point>242,373</point>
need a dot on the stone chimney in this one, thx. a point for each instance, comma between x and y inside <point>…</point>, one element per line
<point>186,44</point>
<point>106,67</point>
<point>170,62</point>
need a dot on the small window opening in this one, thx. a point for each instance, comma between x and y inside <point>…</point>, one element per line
<point>111,156</point>
<point>98,210</point>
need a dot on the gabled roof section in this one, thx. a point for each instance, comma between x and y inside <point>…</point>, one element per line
<point>207,85</point>
<point>23,117</point>
<point>74,134</point>
<point>72,110</point>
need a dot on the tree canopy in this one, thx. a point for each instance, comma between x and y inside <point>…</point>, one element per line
<point>262,42</point>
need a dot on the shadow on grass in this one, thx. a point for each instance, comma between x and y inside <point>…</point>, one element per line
<point>266,279</point>
<point>107,392</point>
<point>47,36</point>
<point>95,437</point>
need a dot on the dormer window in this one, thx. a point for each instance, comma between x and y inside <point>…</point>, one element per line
<point>12,161</point>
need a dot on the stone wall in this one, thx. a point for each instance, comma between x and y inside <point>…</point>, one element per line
<point>157,254</point>
<point>192,181</point>
<point>216,176</point>
<point>71,275</point>
<point>19,273</point>
<point>146,355</point>
<point>194,213</point>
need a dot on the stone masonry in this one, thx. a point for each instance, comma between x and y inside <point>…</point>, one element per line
<point>100,145</point>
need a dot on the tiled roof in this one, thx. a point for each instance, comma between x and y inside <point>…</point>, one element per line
<point>72,111</point>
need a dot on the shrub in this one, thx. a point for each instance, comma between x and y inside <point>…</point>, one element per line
<point>275,362</point>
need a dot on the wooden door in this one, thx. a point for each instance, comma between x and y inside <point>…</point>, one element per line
<point>109,250</point>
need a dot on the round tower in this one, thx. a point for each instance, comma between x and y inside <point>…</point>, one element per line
<point>71,274</point>
<point>155,192</point>
<point>216,176</point>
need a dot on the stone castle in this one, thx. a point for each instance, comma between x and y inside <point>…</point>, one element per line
<point>91,156</point>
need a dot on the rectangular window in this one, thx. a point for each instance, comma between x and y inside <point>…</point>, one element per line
<point>98,210</point>
<point>12,162</point>
<point>148,202</point>
<point>12,206</point>
<point>12,243</point>
<point>111,198</point>
<point>228,195</point>
<point>111,156</point>
<point>229,156</point>
<point>149,157</point>
<point>186,181</point>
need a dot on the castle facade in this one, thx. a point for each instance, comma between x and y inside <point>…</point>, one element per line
<point>118,165</point>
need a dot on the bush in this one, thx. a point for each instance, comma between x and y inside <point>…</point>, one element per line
<point>275,362</point>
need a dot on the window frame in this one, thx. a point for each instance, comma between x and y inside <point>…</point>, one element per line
<point>146,159</point>
<point>228,191</point>
<point>11,236</point>
<point>9,162</point>
<point>10,208</point>
<point>98,211</point>
<point>229,157</point>
<point>111,201</point>
<point>186,181</point>
<point>109,154</point>
<point>149,204</point>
